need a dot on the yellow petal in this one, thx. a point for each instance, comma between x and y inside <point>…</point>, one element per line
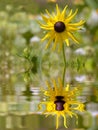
<point>58,11</point>
<point>45,18</point>
<point>49,14</point>
<point>49,42</point>
<point>55,43</point>
<point>46,27</point>
<point>67,87</point>
<point>70,13</point>
<point>80,107</point>
<point>45,37</point>
<point>72,37</point>
<point>63,12</point>
<point>69,18</point>
<point>55,87</point>
<point>64,116</point>
<point>77,24</point>
<point>57,121</point>
<point>49,87</point>
<point>72,28</point>
<point>67,42</point>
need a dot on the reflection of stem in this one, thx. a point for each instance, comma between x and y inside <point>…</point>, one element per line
<point>64,65</point>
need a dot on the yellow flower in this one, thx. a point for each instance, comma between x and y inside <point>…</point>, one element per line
<point>61,101</point>
<point>59,27</point>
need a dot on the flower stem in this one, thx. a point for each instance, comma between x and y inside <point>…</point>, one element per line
<point>64,55</point>
<point>63,81</point>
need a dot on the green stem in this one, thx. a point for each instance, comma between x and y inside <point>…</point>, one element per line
<point>64,56</point>
<point>64,65</point>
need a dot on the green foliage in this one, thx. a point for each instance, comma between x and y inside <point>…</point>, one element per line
<point>92,3</point>
<point>30,6</point>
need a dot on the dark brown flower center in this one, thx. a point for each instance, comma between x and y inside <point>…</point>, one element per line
<point>59,27</point>
<point>59,103</point>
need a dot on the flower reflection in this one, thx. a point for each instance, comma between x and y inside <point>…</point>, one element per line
<point>61,101</point>
<point>60,28</point>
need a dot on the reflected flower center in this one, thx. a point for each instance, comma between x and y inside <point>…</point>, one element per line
<point>59,103</point>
